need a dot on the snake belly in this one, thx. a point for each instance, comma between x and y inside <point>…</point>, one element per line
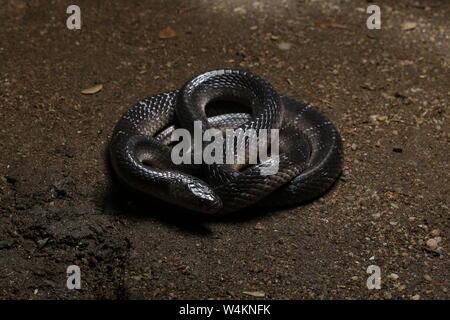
<point>309,162</point>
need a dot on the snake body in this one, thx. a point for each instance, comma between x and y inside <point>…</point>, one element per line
<point>309,161</point>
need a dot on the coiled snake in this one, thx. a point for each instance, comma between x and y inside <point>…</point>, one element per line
<point>310,151</point>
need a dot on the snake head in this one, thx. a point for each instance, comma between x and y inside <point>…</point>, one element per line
<point>198,196</point>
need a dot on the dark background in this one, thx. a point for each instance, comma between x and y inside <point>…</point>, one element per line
<point>387,91</point>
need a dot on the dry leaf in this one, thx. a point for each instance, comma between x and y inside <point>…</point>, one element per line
<point>330,25</point>
<point>259,294</point>
<point>408,26</point>
<point>92,90</point>
<point>335,25</point>
<point>167,33</point>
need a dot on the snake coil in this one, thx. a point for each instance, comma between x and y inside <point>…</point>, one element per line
<point>309,160</point>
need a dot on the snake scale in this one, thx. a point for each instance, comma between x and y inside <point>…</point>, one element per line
<point>310,149</point>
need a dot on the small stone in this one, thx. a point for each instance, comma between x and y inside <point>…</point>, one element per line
<point>416,297</point>
<point>427,277</point>
<point>284,45</point>
<point>376,215</point>
<point>374,118</point>
<point>394,205</point>
<point>350,198</point>
<point>393,276</point>
<point>401,287</point>
<point>354,146</point>
<point>432,244</point>
<point>42,242</point>
<point>259,226</point>
<point>354,278</point>
<point>435,233</point>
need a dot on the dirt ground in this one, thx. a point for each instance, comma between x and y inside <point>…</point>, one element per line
<point>386,90</point>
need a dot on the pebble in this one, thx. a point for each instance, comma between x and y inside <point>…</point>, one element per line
<point>394,205</point>
<point>344,176</point>
<point>416,297</point>
<point>427,277</point>
<point>354,147</point>
<point>373,118</point>
<point>393,276</point>
<point>432,244</point>
<point>350,198</point>
<point>435,233</point>
<point>284,45</point>
<point>259,226</point>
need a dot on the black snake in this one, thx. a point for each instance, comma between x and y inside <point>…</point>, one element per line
<point>310,149</point>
